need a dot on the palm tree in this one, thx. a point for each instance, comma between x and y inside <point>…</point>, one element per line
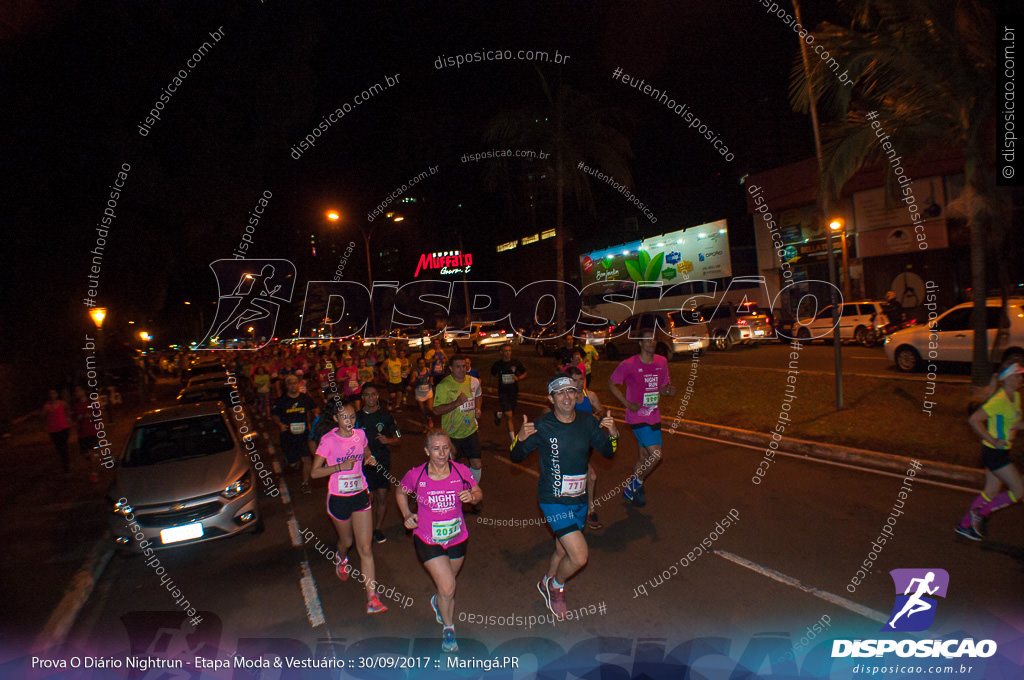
<point>926,67</point>
<point>571,127</point>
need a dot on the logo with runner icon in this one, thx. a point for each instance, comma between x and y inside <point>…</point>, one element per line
<point>250,295</point>
<point>914,609</point>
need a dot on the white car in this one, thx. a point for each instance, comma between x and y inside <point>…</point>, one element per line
<point>855,322</point>
<point>950,337</point>
<point>480,336</point>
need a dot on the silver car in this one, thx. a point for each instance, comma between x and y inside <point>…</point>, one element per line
<point>184,478</point>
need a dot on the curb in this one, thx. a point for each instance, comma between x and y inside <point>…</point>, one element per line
<point>77,593</point>
<point>873,460</point>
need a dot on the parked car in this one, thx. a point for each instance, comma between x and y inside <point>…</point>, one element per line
<point>479,336</point>
<point>184,478</point>
<point>673,334</point>
<point>950,337</point>
<point>730,324</point>
<point>857,320</point>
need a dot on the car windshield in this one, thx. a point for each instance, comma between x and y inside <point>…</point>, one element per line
<point>177,440</point>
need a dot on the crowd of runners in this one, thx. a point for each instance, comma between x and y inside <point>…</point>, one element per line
<point>333,409</point>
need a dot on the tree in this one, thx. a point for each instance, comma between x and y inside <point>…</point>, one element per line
<point>926,67</point>
<point>571,127</point>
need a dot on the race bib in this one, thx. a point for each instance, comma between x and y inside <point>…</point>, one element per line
<point>446,530</point>
<point>349,485</point>
<point>574,485</point>
<point>353,385</point>
<point>297,428</point>
<point>468,405</point>
<point>423,391</point>
<point>651,399</point>
<point>508,378</point>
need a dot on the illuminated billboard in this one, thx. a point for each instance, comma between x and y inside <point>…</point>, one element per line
<point>700,252</point>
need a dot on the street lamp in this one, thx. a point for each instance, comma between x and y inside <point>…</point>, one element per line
<point>836,225</point>
<point>98,314</point>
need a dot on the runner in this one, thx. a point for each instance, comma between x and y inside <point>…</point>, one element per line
<point>1002,416</point>
<point>348,378</point>
<point>262,381</point>
<point>589,357</point>
<point>58,425</point>
<point>508,372</point>
<point>588,403</point>
<point>382,432</point>
<point>436,359</point>
<point>646,378</point>
<point>458,400</point>
<point>424,392</point>
<point>440,487</point>
<point>293,413</point>
<point>342,453</point>
<point>391,369</point>
<point>563,441</point>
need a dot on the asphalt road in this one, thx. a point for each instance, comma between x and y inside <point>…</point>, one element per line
<point>799,538</point>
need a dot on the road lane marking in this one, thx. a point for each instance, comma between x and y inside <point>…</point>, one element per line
<point>314,612</point>
<point>293,531</point>
<point>778,576</point>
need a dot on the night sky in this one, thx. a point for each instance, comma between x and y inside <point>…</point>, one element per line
<point>80,78</point>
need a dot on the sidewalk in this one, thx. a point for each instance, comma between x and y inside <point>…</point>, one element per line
<point>51,522</point>
<point>875,460</point>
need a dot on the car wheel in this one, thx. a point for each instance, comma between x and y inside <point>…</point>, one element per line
<point>476,347</point>
<point>861,335</point>
<point>722,342</point>
<point>907,359</point>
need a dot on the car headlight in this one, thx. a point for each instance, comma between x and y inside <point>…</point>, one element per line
<point>887,340</point>
<point>120,508</point>
<point>240,486</point>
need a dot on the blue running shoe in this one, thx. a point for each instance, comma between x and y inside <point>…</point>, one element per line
<point>448,643</point>
<point>639,499</point>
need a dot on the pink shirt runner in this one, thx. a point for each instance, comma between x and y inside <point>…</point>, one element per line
<point>440,520</point>
<point>643,385</point>
<point>337,449</point>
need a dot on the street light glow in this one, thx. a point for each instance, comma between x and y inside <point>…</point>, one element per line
<point>98,314</point>
<point>333,215</point>
<point>836,224</point>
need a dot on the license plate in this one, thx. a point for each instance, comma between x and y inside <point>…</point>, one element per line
<point>758,332</point>
<point>185,533</point>
<point>694,345</point>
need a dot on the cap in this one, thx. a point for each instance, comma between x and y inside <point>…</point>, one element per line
<point>559,384</point>
<point>1012,369</point>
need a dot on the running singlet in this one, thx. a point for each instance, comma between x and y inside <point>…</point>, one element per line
<point>292,411</point>
<point>348,376</point>
<point>378,422</point>
<point>461,421</point>
<point>585,405</point>
<point>506,372</point>
<point>337,449</point>
<point>564,451</point>
<point>439,514</point>
<point>423,384</point>
<point>643,385</point>
<point>393,368</point>
<point>438,361</point>
<point>1003,414</point>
